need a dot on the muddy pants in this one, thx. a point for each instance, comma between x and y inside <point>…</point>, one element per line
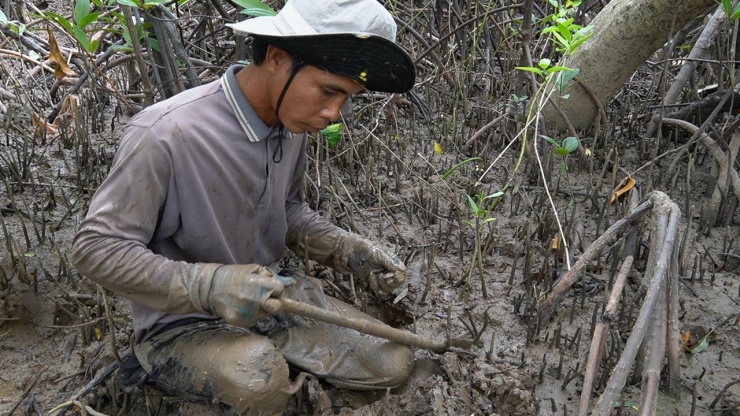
<point>248,369</point>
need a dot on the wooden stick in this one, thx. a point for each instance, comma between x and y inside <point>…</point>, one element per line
<point>377,329</point>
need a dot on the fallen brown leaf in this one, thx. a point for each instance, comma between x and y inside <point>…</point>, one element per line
<point>61,69</point>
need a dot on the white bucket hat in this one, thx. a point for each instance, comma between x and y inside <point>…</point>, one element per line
<point>352,38</point>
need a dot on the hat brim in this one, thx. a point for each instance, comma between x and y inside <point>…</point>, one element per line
<point>373,61</point>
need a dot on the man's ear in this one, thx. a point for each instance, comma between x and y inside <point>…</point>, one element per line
<point>276,58</point>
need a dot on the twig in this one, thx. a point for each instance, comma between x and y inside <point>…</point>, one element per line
<point>722,159</point>
<point>722,392</point>
<point>26,391</point>
<point>74,400</point>
<point>19,55</point>
<point>139,57</point>
<point>702,48</point>
<point>482,130</point>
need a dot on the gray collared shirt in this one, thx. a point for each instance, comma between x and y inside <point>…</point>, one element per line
<point>193,181</point>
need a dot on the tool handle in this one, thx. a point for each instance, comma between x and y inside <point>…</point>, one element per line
<point>361,325</point>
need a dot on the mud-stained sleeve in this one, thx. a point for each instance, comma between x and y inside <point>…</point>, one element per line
<point>307,229</point>
<point>110,247</point>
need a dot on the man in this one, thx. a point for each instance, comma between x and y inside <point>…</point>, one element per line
<point>205,193</point>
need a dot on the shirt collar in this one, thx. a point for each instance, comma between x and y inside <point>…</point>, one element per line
<point>255,129</point>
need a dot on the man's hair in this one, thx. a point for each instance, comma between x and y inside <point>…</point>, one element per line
<point>258,49</point>
<point>258,46</point>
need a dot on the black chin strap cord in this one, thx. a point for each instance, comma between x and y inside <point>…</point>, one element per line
<point>277,154</point>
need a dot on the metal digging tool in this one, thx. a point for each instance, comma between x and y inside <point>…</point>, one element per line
<point>366,327</point>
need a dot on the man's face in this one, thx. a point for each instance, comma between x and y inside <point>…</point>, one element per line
<point>314,99</point>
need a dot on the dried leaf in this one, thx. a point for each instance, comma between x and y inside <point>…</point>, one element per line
<point>98,333</point>
<point>555,243</point>
<point>621,191</point>
<point>25,276</point>
<point>42,128</point>
<point>55,55</point>
<point>68,114</point>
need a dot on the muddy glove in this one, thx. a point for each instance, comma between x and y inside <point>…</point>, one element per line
<point>366,259</point>
<point>239,291</point>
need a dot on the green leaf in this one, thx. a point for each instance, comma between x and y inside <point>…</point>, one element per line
<point>564,78</point>
<point>255,8</point>
<point>570,144</point>
<point>66,24</point>
<point>93,46</point>
<point>473,205</point>
<point>558,68</point>
<point>257,12</point>
<point>82,8</point>
<point>549,29</point>
<point>152,3</point>
<point>550,140</point>
<point>456,167</point>
<point>529,69</point>
<point>3,17</point>
<point>494,195</point>
<point>736,11</point>
<point>579,40</point>
<point>81,37</point>
<point>560,151</point>
<point>727,7</point>
<point>18,29</point>
<point>558,38</point>
<point>131,3</point>
<point>544,63</point>
<point>154,44</point>
<point>333,133</point>
<point>88,18</point>
<point>703,344</point>
<point>122,48</point>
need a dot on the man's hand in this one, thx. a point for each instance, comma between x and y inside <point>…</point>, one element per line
<point>239,292</point>
<point>384,271</point>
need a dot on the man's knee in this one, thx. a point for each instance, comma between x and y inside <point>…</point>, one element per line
<point>253,377</point>
<point>399,361</point>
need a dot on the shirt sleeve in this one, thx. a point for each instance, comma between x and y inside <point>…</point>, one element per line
<point>110,247</point>
<point>308,232</point>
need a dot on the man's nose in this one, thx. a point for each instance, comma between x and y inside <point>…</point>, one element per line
<point>334,109</point>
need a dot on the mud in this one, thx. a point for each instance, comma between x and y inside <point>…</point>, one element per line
<point>384,181</point>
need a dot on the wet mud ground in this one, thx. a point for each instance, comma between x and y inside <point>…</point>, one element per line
<point>385,182</point>
<point>388,181</point>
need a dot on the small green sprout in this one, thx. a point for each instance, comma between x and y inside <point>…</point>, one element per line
<point>333,133</point>
<point>563,149</point>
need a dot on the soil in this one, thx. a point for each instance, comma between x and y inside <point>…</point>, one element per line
<point>388,181</point>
